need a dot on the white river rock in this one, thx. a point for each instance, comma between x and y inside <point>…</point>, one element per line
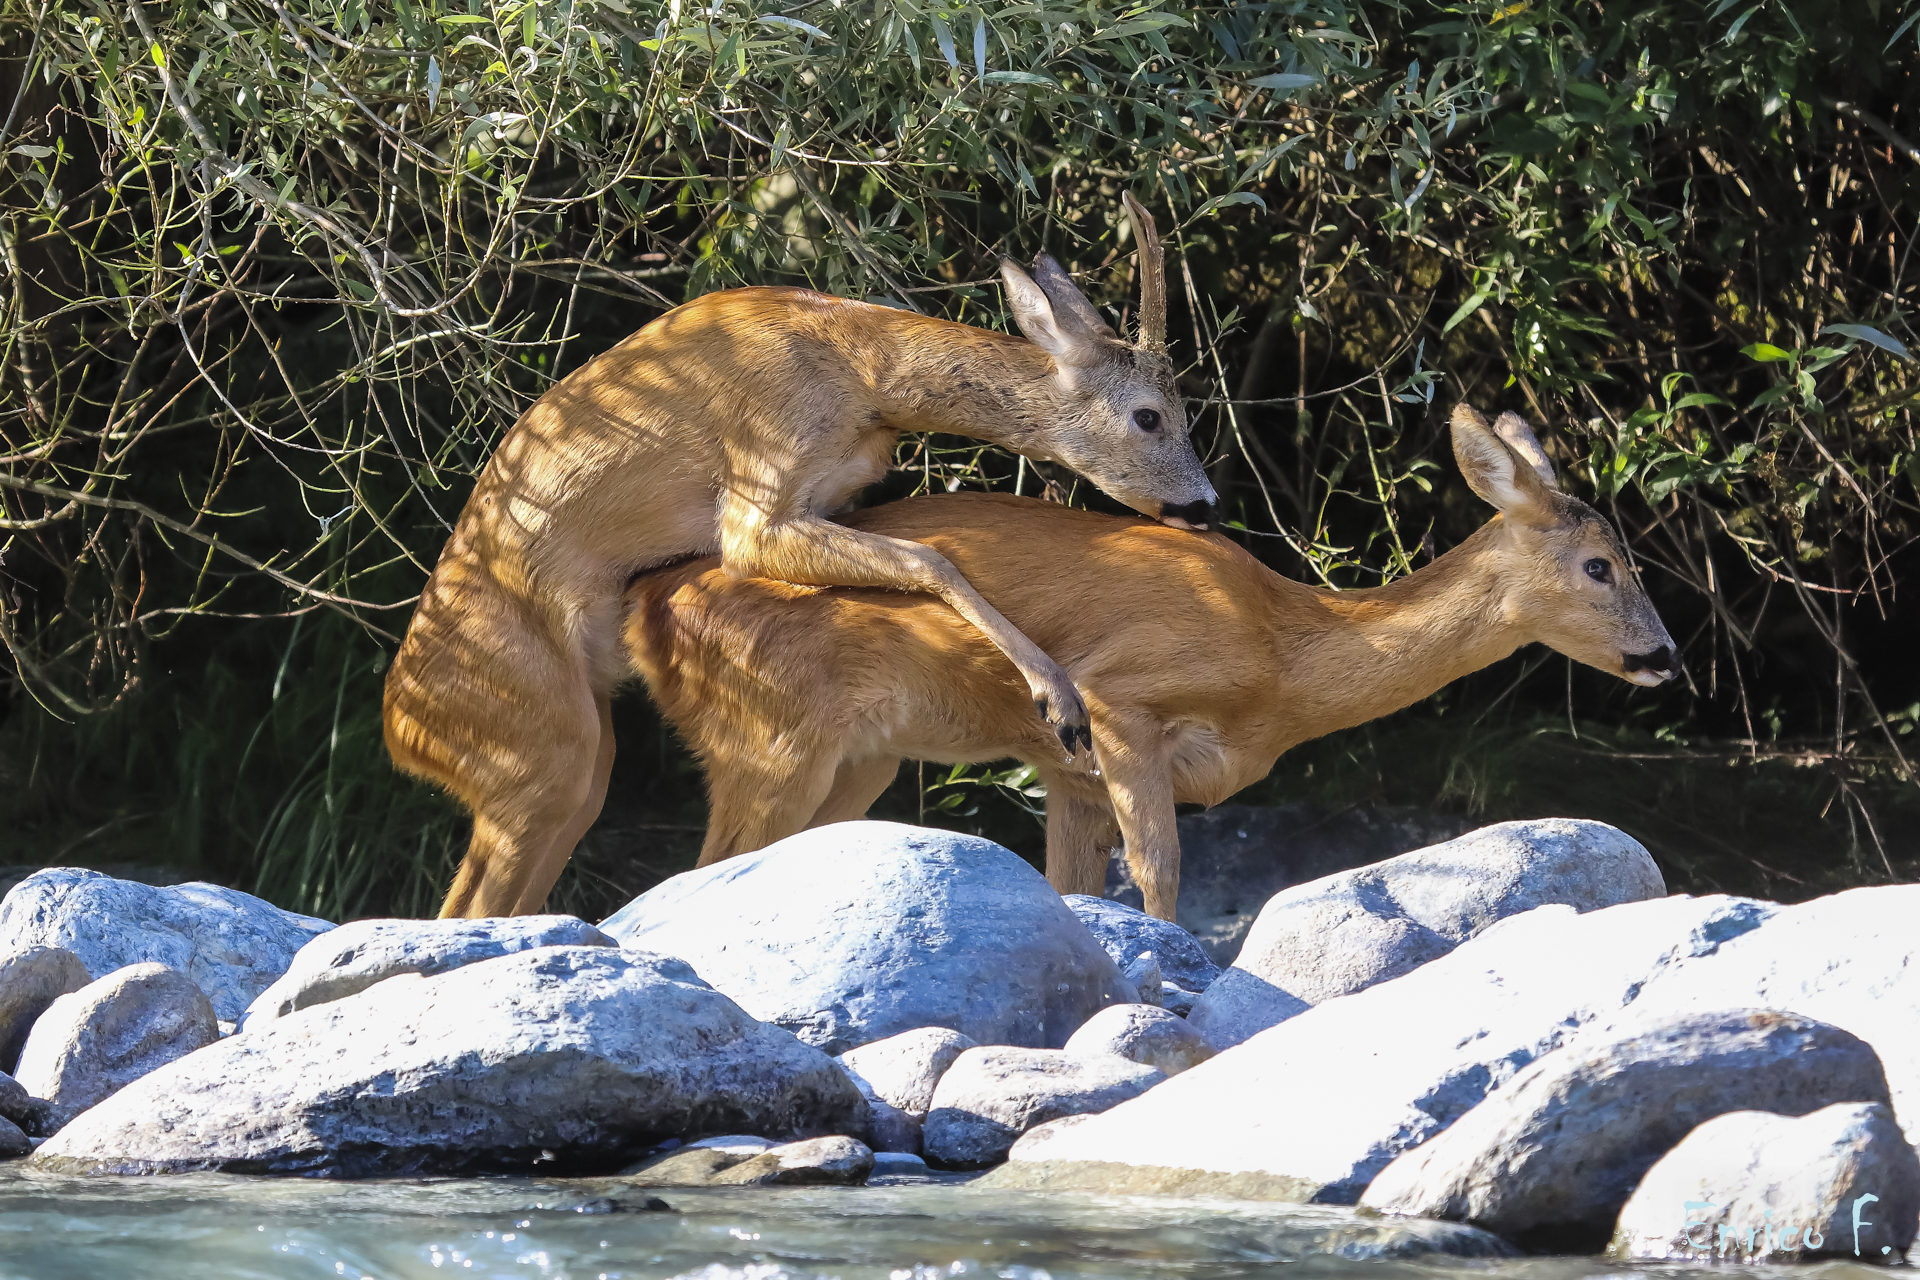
<point>564,1059</point>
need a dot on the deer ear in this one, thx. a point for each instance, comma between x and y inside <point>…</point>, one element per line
<point>1513,428</point>
<point>1498,473</point>
<point>1069,304</point>
<point>1057,332</point>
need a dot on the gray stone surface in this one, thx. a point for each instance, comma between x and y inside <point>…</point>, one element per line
<point>1755,1187</point>
<point>836,1161</point>
<point>1127,931</point>
<point>898,1076</point>
<point>20,1107</point>
<point>1314,1108</point>
<point>13,1142</point>
<point>1144,974</point>
<point>30,980</point>
<point>351,958</point>
<point>231,944</point>
<point>1549,1159</point>
<point>1234,857</point>
<point>905,1069</point>
<point>1140,1033</point>
<point>992,1095</point>
<point>1346,932</point>
<point>858,931</point>
<point>93,1042</point>
<point>571,1057</point>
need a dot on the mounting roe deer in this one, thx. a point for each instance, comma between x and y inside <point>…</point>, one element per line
<point>739,423</point>
<point>1199,664</point>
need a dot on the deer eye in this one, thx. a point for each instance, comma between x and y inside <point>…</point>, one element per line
<point>1599,570</point>
<point>1147,419</point>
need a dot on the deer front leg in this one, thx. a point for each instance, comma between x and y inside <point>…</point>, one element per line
<point>812,550</point>
<point>1080,832</point>
<point>1133,760</point>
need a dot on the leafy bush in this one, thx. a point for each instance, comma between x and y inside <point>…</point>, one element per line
<point>279,273</point>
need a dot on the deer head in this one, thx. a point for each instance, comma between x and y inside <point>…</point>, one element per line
<point>1116,417</point>
<point>1570,585</point>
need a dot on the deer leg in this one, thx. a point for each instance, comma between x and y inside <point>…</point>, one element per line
<point>1140,783</point>
<point>1080,831</point>
<point>540,881</point>
<point>856,785</point>
<point>754,803</point>
<point>492,697</point>
<point>813,550</point>
<point>517,852</point>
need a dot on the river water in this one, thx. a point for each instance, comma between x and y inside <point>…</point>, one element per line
<point>210,1227</point>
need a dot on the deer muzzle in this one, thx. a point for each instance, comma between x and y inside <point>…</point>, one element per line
<point>1657,667</point>
<point>1196,515</point>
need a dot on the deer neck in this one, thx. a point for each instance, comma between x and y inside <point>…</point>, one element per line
<point>1346,657</point>
<point>935,375</point>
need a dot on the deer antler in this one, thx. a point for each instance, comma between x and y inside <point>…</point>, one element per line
<point>1152,273</point>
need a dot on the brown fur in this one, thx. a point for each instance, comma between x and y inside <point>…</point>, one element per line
<point>735,424</point>
<point>1200,665</point>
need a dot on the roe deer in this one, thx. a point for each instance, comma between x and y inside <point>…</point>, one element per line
<point>739,423</point>
<point>1199,664</point>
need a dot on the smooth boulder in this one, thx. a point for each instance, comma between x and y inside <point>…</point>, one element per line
<point>30,980</point>
<point>560,1060</point>
<point>1549,1159</point>
<point>1346,932</point>
<point>992,1095</point>
<point>351,958</point>
<point>837,1161</point>
<point>854,932</point>
<point>1754,1187</point>
<point>20,1109</point>
<point>898,1076</point>
<point>94,1042</point>
<point>1234,857</point>
<point>232,944</point>
<point>1139,1033</point>
<point>1127,933</point>
<point>1315,1108</point>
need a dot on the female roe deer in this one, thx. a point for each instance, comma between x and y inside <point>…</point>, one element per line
<point>1199,664</point>
<point>739,423</point>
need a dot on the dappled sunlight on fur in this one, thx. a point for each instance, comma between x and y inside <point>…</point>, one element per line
<point>1200,666</point>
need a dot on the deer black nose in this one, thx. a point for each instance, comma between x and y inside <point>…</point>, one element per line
<point>1663,660</point>
<point>1198,514</point>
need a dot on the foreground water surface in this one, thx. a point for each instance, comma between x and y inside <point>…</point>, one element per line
<point>209,1227</point>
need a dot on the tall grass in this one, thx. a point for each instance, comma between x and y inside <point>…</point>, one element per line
<point>282,788</point>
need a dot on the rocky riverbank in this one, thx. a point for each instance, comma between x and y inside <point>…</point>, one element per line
<point>1516,1032</point>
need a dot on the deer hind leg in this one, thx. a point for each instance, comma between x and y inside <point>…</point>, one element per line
<point>812,550</point>
<point>1081,830</point>
<point>547,869</point>
<point>526,826</point>
<point>1139,780</point>
<point>763,797</point>
<point>856,785</point>
<point>492,698</point>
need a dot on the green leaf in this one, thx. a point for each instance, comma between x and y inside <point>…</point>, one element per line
<point>1464,310</point>
<point>1232,197</point>
<point>780,20</point>
<point>1283,81</point>
<point>1765,352</point>
<point>1017,77</point>
<point>32,153</point>
<point>1866,333</point>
